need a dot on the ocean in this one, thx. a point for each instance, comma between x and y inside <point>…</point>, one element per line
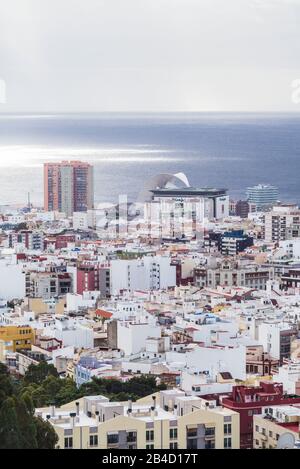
<point>219,149</point>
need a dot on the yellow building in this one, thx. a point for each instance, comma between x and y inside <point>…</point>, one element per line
<point>274,422</point>
<point>42,306</point>
<point>185,422</point>
<point>15,338</point>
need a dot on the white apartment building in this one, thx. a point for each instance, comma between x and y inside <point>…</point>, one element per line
<point>290,248</point>
<point>148,273</point>
<point>210,360</point>
<point>71,332</point>
<point>84,220</point>
<point>217,359</point>
<point>275,336</point>
<point>12,277</point>
<point>131,336</point>
<point>88,299</point>
<point>289,376</point>
<point>282,223</point>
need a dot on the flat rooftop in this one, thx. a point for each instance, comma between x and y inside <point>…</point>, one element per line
<point>189,192</point>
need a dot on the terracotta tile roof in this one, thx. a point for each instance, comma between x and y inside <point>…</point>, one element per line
<point>103,314</point>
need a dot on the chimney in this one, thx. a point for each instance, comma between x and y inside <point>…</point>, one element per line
<point>129,410</point>
<point>152,411</point>
<point>175,410</point>
<point>154,401</point>
<point>77,408</point>
<point>52,410</point>
<point>73,416</point>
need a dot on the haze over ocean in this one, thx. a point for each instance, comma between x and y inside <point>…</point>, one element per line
<point>219,149</point>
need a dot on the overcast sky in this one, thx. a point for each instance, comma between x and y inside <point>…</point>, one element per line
<point>149,55</point>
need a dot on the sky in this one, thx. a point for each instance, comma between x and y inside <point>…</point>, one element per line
<point>149,55</point>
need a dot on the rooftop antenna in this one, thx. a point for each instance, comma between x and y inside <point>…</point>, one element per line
<point>286,441</point>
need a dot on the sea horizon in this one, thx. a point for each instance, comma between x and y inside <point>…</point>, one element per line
<point>128,148</point>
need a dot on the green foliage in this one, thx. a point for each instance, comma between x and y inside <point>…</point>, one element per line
<point>26,425</point>
<point>42,386</point>
<point>6,387</point>
<point>38,373</point>
<point>121,391</point>
<point>19,428</point>
<point>10,436</point>
<point>46,437</point>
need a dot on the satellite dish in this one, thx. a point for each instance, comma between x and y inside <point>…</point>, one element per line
<point>286,441</point>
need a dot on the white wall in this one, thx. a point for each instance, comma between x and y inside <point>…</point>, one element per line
<point>80,221</point>
<point>75,301</point>
<point>148,273</point>
<point>291,247</point>
<point>222,202</point>
<point>215,360</point>
<point>132,337</point>
<point>12,280</point>
<point>269,337</point>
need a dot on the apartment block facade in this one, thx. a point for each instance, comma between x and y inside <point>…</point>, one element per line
<point>68,187</point>
<point>94,422</point>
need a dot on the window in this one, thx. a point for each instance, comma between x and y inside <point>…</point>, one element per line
<point>210,431</point>
<point>210,444</point>
<point>69,442</point>
<point>227,443</point>
<point>149,435</point>
<point>93,440</point>
<point>270,434</point>
<point>112,439</point>
<point>173,433</point>
<point>191,432</point>
<point>227,428</point>
<point>256,428</point>
<point>131,437</point>
<point>149,446</point>
<point>174,445</point>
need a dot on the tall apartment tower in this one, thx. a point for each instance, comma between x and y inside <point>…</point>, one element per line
<point>68,187</point>
<point>262,195</point>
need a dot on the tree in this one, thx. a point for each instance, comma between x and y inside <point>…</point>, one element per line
<point>117,390</point>
<point>3,369</point>
<point>46,436</point>
<point>38,373</point>
<point>67,393</point>
<point>28,402</point>
<point>6,388</point>
<point>26,425</point>
<point>10,436</point>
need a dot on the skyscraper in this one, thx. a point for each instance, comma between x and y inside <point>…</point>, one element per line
<point>68,187</point>
<point>262,195</point>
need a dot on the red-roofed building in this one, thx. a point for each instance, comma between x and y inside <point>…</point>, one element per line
<point>103,314</point>
<point>249,401</point>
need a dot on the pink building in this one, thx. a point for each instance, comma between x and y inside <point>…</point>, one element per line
<point>68,187</point>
